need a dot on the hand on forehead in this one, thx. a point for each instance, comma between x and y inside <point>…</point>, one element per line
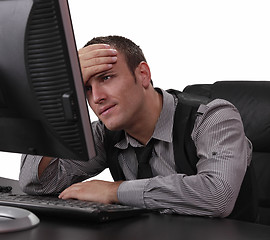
<point>95,59</point>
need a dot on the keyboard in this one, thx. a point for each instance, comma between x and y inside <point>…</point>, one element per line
<point>71,208</point>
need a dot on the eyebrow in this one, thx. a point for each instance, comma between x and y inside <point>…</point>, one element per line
<point>102,74</point>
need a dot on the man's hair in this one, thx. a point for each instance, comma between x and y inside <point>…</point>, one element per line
<point>132,52</point>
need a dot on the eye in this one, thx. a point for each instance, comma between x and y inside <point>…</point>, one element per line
<point>88,88</point>
<point>106,77</point>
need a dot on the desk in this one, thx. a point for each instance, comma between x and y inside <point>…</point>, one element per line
<point>152,226</point>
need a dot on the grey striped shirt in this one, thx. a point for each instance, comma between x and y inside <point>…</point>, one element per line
<point>222,148</point>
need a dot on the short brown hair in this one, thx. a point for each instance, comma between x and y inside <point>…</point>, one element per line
<point>132,52</point>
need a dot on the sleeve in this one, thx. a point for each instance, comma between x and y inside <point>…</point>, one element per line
<point>61,173</point>
<point>224,153</point>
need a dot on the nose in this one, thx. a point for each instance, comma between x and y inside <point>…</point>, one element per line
<point>98,94</point>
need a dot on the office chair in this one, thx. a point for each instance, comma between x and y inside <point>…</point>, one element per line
<point>252,99</point>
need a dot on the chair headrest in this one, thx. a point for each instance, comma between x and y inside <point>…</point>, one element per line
<point>252,99</point>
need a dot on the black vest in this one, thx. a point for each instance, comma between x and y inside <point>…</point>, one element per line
<point>185,154</point>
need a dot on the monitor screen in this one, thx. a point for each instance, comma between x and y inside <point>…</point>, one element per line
<point>43,109</point>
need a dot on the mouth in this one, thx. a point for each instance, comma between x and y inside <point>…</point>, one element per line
<point>106,110</point>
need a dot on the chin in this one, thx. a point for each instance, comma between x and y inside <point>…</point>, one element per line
<point>112,127</point>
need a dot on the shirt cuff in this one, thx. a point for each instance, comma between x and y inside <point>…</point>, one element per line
<point>132,192</point>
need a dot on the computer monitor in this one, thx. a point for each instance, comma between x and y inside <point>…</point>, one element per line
<point>43,109</point>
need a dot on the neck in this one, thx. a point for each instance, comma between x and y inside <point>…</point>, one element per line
<point>151,110</point>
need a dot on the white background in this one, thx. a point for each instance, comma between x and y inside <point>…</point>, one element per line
<point>184,41</point>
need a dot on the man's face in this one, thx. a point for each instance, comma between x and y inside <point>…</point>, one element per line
<point>115,96</point>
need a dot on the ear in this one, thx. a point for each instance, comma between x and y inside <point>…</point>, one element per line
<point>143,74</point>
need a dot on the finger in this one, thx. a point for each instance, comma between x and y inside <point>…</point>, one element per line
<point>94,47</point>
<point>95,51</point>
<point>98,58</point>
<point>98,61</point>
<point>69,192</point>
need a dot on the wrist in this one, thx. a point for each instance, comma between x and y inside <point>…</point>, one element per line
<point>114,191</point>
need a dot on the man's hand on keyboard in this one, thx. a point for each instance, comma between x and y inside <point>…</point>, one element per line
<point>95,190</point>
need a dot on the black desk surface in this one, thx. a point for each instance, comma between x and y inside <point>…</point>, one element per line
<point>152,226</point>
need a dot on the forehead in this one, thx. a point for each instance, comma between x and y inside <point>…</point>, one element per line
<point>121,58</point>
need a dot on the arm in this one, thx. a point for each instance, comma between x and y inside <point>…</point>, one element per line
<point>224,154</point>
<point>44,163</point>
<point>60,173</point>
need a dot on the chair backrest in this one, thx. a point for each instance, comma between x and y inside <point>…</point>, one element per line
<point>252,99</point>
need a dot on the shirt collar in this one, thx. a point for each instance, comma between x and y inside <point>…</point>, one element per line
<point>164,126</point>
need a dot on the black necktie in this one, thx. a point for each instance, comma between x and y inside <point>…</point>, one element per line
<point>143,156</point>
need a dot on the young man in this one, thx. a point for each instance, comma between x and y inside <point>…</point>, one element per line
<point>119,90</point>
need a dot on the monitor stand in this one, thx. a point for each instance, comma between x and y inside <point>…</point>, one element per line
<point>15,219</point>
